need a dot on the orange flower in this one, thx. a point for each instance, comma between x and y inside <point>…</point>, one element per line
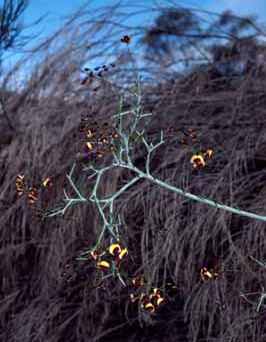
<point>138,281</point>
<point>19,184</point>
<point>47,182</point>
<point>32,196</point>
<point>205,275</point>
<point>19,178</point>
<point>89,145</point>
<point>89,134</point>
<point>94,255</point>
<point>208,153</point>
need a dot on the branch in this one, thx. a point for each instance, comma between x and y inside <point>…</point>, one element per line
<point>111,225</point>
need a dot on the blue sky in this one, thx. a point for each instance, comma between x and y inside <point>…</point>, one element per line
<point>56,9</point>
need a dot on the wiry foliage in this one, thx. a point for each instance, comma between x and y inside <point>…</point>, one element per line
<point>209,255</point>
<point>10,36</point>
<point>10,28</point>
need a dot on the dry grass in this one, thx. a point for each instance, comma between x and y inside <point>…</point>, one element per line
<point>171,238</point>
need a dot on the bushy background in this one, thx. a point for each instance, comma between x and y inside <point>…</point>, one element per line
<point>169,237</point>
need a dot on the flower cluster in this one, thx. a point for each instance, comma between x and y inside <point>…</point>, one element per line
<point>188,133</point>
<point>107,259</point>
<point>31,191</point>
<point>117,255</point>
<point>149,302</point>
<point>198,160</point>
<point>101,137</point>
<point>103,141</point>
<point>95,82</point>
<point>113,257</point>
<point>206,275</point>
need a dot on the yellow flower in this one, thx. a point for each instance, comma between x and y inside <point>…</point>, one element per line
<point>149,307</point>
<point>46,181</point>
<point>160,301</point>
<point>156,292</point>
<point>94,255</point>
<point>103,265</point>
<point>123,254</point>
<point>89,134</point>
<point>89,145</point>
<point>208,153</point>
<point>204,274</point>
<point>198,161</point>
<point>114,249</point>
<point>144,298</point>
